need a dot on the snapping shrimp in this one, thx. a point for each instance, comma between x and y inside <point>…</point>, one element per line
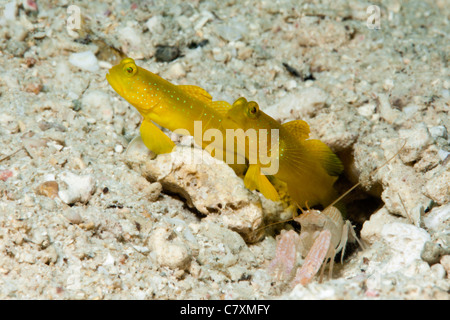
<point>323,235</point>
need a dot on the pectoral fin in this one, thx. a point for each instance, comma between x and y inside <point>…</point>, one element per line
<point>254,179</point>
<point>155,139</point>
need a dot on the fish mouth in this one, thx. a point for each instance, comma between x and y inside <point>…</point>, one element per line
<point>115,82</point>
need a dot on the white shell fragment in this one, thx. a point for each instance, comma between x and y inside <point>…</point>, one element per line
<point>85,61</point>
<point>79,188</point>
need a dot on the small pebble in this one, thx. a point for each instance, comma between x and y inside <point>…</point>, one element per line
<point>233,31</point>
<point>431,252</point>
<point>109,261</point>
<point>367,110</point>
<point>33,88</point>
<point>29,5</point>
<point>49,189</point>
<point>176,71</point>
<point>438,218</point>
<point>132,41</point>
<point>105,65</point>
<point>166,53</point>
<point>439,132</point>
<point>387,112</point>
<point>388,84</point>
<point>45,125</point>
<point>153,191</point>
<point>294,72</point>
<point>170,251</point>
<point>195,44</point>
<point>5,174</point>
<point>40,237</point>
<point>443,155</point>
<point>445,261</point>
<point>30,62</point>
<point>10,11</point>
<point>417,139</point>
<point>155,24</point>
<point>73,216</point>
<point>206,16</point>
<point>410,110</point>
<point>438,187</point>
<point>79,188</point>
<point>438,271</point>
<point>85,61</point>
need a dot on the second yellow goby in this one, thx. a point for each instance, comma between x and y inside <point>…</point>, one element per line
<point>307,166</point>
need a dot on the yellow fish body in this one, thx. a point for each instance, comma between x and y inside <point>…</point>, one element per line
<point>171,106</point>
<point>308,167</point>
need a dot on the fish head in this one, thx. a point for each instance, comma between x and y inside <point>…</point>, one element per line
<point>120,76</point>
<point>127,79</point>
<point>243,114</point>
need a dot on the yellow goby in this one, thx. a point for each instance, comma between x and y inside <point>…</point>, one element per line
<point>308,167</point>
<point>171,106</point>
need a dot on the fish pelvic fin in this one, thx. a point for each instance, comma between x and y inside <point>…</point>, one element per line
<point>155,139</point>
<point>254,179</point>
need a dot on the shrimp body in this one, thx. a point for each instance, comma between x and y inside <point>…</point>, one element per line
<point>323,235</point>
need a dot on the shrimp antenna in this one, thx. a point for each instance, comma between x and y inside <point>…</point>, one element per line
<point>371,174</point>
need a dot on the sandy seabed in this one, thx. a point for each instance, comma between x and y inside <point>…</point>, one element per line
<point>82,218</point>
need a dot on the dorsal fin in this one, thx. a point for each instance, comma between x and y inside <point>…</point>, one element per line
<point>221,107</point>
<point>197,92</point>
<point>298,129</point>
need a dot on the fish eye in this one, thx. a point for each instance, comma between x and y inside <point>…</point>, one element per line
<point>252,109</point>
<point>130,69</point>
